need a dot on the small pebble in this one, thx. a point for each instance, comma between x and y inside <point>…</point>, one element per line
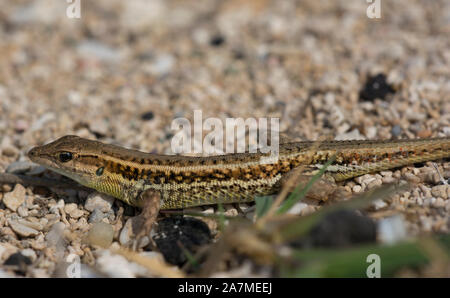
<point>426,133</point>
<point>99,201</point>
<point>77,213</point>
<point>388,179</point>
<point>379,204</point>
<point>411,178</point>
<point>441,191</point>
<point>391,230</point>
<point>364,179</point>
<point>29,253</point>
<point>54,208</point>
<point>356,188</point>
<point>307,210</point>
<point>439,203</point>
<point>426,191</point>
<point>162,65</point>
<point>55,236</point>
<point>429,202</point>
<point>96,216</point>
<point>21,125</point>
<point>22,230</point>
<point>101,234</point>
<point>14,199</point>
<point>73,211</point>
<point>117,266</point>
<point>22,211</point>
<point>95,49</point>
<point>297,208</point>
<point>10,151</point>
<point>374,183</point>
<point>126,234</point>
<point>7,231</point>
<point>371,132</point>
<point>447,206</point>
<point>396,131</point>
<point>230,211</point>
<point>6,188</point>
<point>7,148</point>
<point>210,210</point>
<point>70,207</point>
<point>352,135</point>
<point>31,224</point>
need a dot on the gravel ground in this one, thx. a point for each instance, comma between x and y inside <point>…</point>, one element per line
<point>124,70</point>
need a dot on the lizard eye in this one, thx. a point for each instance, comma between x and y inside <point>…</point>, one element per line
<point>65,156</point>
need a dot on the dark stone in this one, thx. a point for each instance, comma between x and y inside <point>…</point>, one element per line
<point>131,38</point>
<point>148,116</point>
<point>19,261</point>
<point>340,229</point>
<point>419,164</point>
<point>238,54</point>
<point>217,40</point>
<point>376,87</point>
<point>42,191</point>
<point>174,235</point>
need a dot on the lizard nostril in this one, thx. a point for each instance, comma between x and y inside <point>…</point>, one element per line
<point>32,152</point>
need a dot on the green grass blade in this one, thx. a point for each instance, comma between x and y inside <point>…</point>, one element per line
<point>300,191</point>
<point>263,205</point>
<point>352,262</point>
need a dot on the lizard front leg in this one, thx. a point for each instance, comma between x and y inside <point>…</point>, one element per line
<point>142,224</point>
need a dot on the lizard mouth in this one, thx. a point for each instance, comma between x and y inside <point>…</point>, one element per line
<point>36,156</point>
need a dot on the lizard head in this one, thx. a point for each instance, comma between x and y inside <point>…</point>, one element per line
<point>71,156</point>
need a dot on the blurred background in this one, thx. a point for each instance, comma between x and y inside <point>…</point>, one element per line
<point>125,69</point>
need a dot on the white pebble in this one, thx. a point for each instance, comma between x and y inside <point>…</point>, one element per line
<point>379,204</point>
<point>297,208</point>
<point>391,229</point>
<point>356,188</point>
<point>99,201</point>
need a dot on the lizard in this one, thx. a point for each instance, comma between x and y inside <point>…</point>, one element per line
<point>185,181</point>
